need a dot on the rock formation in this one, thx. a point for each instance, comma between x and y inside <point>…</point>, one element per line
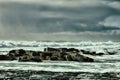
<point>60,54</point>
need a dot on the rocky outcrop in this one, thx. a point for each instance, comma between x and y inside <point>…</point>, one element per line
<point>61,54</point>
<point>14,54</point>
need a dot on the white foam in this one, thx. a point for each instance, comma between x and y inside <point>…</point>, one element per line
<point>35,45</point>
<point>61,66</point>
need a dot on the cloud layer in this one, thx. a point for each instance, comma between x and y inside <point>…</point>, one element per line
<point>80,19</point>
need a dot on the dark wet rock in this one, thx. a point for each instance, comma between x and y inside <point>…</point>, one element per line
<point>46,55</point>
<point>87,59</point>
<point>51,49</point>
<point>91,53</point>
<point>4,57</point>
<point>110,53</point>
<point>82,58</point>
<point>60,50</point>
<point>27,58</point>
<point>100,54</point>
<point>72,50</point>
<point>17,53</point>
<point>14,54</point>
<point>63,50</point>
<point>61,54</point>
<point>85,52</point>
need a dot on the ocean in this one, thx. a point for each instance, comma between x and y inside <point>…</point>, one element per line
<point>106,67</point>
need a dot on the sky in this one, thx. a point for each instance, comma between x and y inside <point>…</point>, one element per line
<point>60,20</point>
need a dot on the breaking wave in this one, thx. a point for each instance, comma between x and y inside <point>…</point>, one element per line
<point>53,44</point>
<point>40,45</point>
<point>102,64</point>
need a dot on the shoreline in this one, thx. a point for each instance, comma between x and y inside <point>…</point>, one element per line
<point>48,75</point>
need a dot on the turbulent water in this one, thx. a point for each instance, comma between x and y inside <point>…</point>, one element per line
<point>106,67</point>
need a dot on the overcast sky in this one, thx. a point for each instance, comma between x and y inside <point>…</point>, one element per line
<point>69,20</point>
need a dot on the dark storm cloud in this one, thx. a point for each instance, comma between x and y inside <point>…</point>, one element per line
<point>44,16</point>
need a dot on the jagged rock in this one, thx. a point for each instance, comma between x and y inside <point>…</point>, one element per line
<point>46,55</point>
<point>61,54</point>
<point>14,54</point>
<point>31,56</point>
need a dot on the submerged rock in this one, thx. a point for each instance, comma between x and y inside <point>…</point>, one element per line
<point>110,53</point>
<point>91,53</point>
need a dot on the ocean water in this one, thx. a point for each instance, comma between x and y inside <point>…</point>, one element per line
<point>103,64</point>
